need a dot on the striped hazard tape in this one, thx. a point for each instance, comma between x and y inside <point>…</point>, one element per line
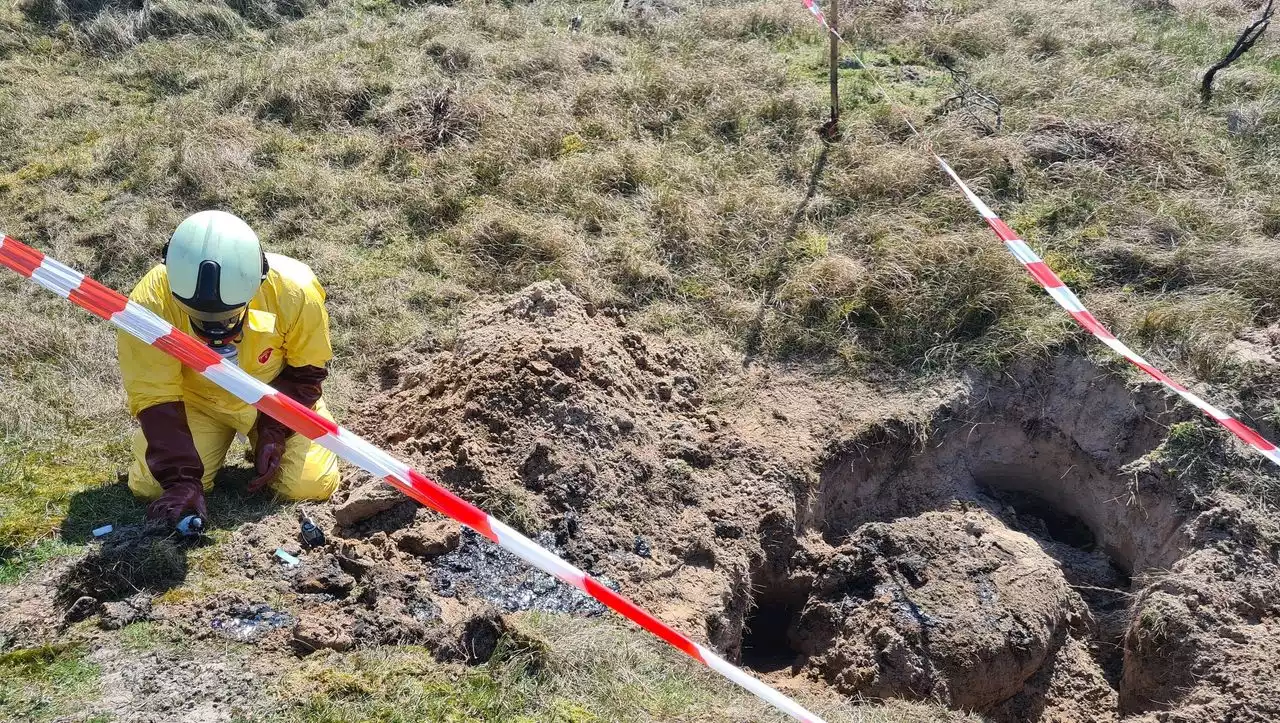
<point>145,325</point>
<point>1067,299</point>
<point>817,13</point>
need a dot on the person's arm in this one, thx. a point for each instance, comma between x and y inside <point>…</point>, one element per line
<point>171,450</point>
<point>174,461</point>
<point>307,349</point>
<point>306,340</point>
<point>151,377</point>
<point>153,387</point>
<point>302,384</point>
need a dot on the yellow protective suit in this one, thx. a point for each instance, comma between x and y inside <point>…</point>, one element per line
<point>287,324</point>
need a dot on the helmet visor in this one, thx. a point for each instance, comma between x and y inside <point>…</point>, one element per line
<point>216,325</point>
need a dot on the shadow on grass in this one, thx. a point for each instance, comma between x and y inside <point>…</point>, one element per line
<point>140,554</point>
<point>113,504</point>
<point>782,261</point>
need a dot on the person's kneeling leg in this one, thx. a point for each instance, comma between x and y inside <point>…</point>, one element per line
<point>212,439</point>
<point>307,470</point>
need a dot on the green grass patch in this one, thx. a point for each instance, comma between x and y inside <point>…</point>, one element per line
<point>1207,458</point>
<point>555,669</point>
<point>37,493</point>
<point>23,560</point>
<point>41,684</point>
<point>150,635</point>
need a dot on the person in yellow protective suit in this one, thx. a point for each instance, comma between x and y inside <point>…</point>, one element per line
<point>266,313</point>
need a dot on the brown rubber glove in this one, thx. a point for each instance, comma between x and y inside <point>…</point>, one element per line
<point>174,462</point>
<point>302,385</point>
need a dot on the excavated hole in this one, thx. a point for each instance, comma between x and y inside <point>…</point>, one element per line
<point>1103,583</point>
<point>1046,461</point>
<point>768,632</point>
<point>1040,518</point>
<point>1073,500</point>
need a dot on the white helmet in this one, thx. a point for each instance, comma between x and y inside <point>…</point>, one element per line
<point>215,265</point>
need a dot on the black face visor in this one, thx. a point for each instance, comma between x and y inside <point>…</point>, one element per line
<point>219,327</point>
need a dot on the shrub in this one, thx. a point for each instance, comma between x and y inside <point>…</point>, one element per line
<point>508,249</point>
<point>430,118</point>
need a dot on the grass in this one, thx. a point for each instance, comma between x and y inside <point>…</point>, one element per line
<point>651,162</point>
<point>37,492</point>
<point>561,669</point>
<point>148,636</point>
<point>19,563</point>
<point>1205,457</point>
<point>42,684</point>
<point>49,506</point>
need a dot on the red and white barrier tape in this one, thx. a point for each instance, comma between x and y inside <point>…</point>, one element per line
<point>1067,299</point>
<point>817,13</point>
<point>145,325</point>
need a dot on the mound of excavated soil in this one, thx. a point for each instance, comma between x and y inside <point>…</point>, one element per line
<point>951,606</point>
<point>562,420</point>
<point>1204,641</point>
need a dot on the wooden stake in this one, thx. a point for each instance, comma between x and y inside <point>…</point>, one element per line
<point>833,19</point>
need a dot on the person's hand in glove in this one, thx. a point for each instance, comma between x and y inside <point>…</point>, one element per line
<point>301,384</point>
<point>178,498</point>
<point>272,436</point>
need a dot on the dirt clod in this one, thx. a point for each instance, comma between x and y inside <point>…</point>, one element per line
<point>1208,628</point>
<point>314,632</point>
<point>430,539</point>
<point>480,635</point>
<point>323,576</point>
<point>365,502</point>
<point>116,615</point>
<point>83,608</point>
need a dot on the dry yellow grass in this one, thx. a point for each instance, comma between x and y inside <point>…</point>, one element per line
<point>558,669</point>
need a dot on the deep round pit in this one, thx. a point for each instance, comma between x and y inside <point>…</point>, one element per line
<point>766,636</point>
<point>1050,520</point>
